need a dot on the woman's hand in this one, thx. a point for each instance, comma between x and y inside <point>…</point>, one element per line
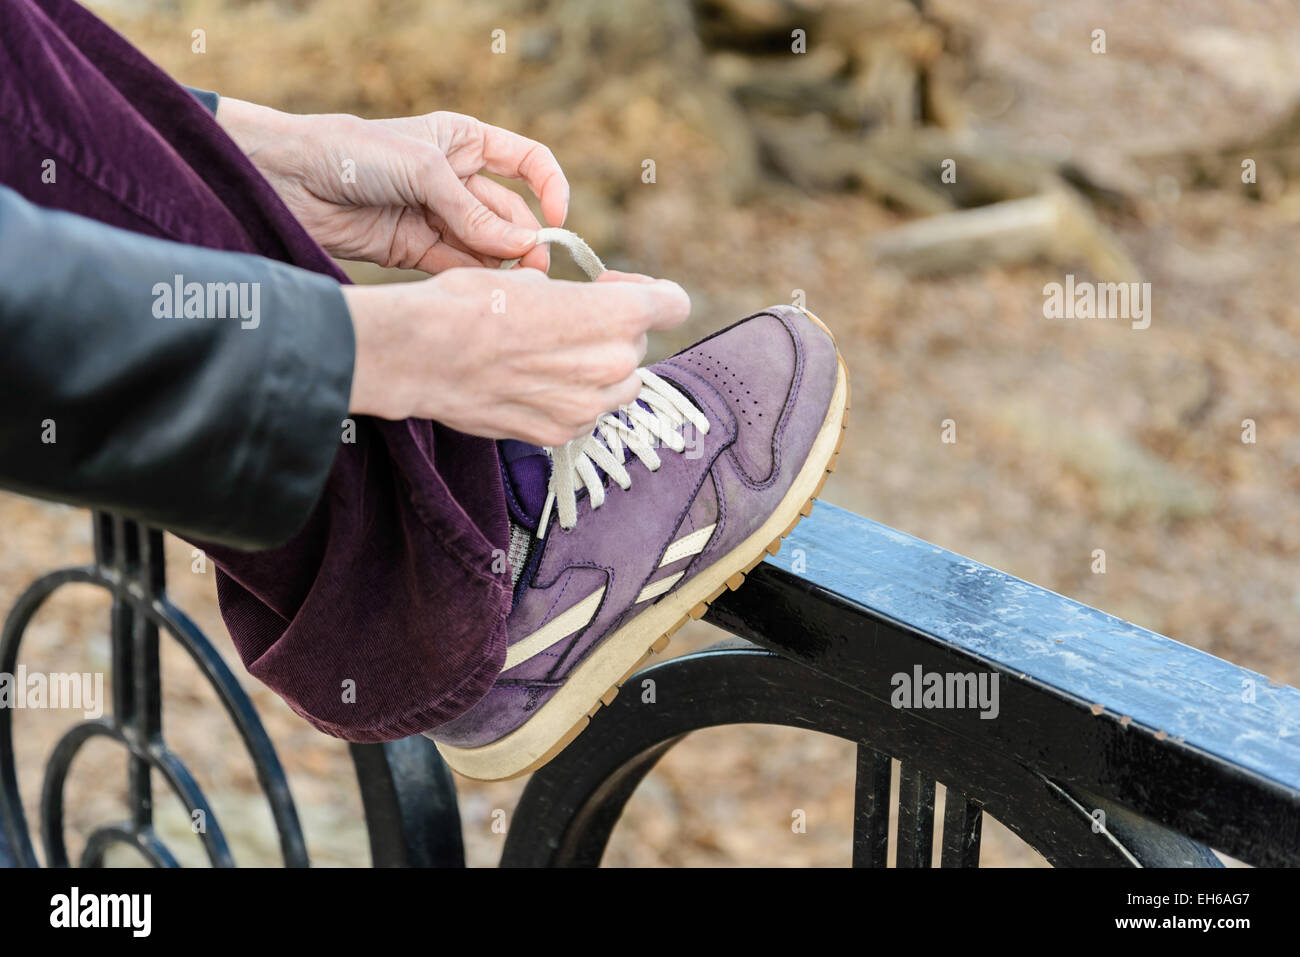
<point>408,192</point>
<point>506,353</point>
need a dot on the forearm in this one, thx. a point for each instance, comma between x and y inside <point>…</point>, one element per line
<point>222,428</point>
<point>373,334</point>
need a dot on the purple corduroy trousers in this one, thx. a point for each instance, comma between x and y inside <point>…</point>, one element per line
<point>383,616</point>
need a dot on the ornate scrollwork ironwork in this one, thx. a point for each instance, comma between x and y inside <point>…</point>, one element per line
<point>129,566</point>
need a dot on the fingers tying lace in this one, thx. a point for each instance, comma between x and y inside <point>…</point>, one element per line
<point>655,418</point>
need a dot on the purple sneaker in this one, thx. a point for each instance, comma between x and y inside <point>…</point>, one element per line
<point>724,451</point>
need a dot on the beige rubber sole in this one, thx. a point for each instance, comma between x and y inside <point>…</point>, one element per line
<point>619,656</point>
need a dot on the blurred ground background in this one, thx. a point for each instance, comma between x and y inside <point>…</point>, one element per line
<point>777,172</point>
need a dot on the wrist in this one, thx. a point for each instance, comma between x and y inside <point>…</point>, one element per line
<point>254,128</point>
<point>373,326</point>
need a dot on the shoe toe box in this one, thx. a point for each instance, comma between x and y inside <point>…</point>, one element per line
<point>775,372</point>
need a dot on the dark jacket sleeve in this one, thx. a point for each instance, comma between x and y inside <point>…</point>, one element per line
<point>206,97</point>
<point>221,428</point>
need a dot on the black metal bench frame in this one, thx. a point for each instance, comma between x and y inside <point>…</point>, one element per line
<point>1114,746</point>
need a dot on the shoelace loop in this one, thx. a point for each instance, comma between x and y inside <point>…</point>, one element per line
<point>582,254</point>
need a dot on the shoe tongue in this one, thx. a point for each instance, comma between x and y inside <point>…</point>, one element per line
<point>526,470</point>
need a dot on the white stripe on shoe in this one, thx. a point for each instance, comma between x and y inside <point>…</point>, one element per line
<point>655,589</point>
<point>691,544</point>
<point>579,616</point>
<point>557,629</point>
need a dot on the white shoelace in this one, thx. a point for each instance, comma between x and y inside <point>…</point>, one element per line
<point>631,427</point>
<point>656,417</point>
<point>582,254</point>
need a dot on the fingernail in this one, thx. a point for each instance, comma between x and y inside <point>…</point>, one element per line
<point>526,238</point>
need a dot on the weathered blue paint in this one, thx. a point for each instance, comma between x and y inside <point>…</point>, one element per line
<point>1161,684</point>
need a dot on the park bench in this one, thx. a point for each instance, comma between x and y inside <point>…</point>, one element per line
<point>1105,744</point>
